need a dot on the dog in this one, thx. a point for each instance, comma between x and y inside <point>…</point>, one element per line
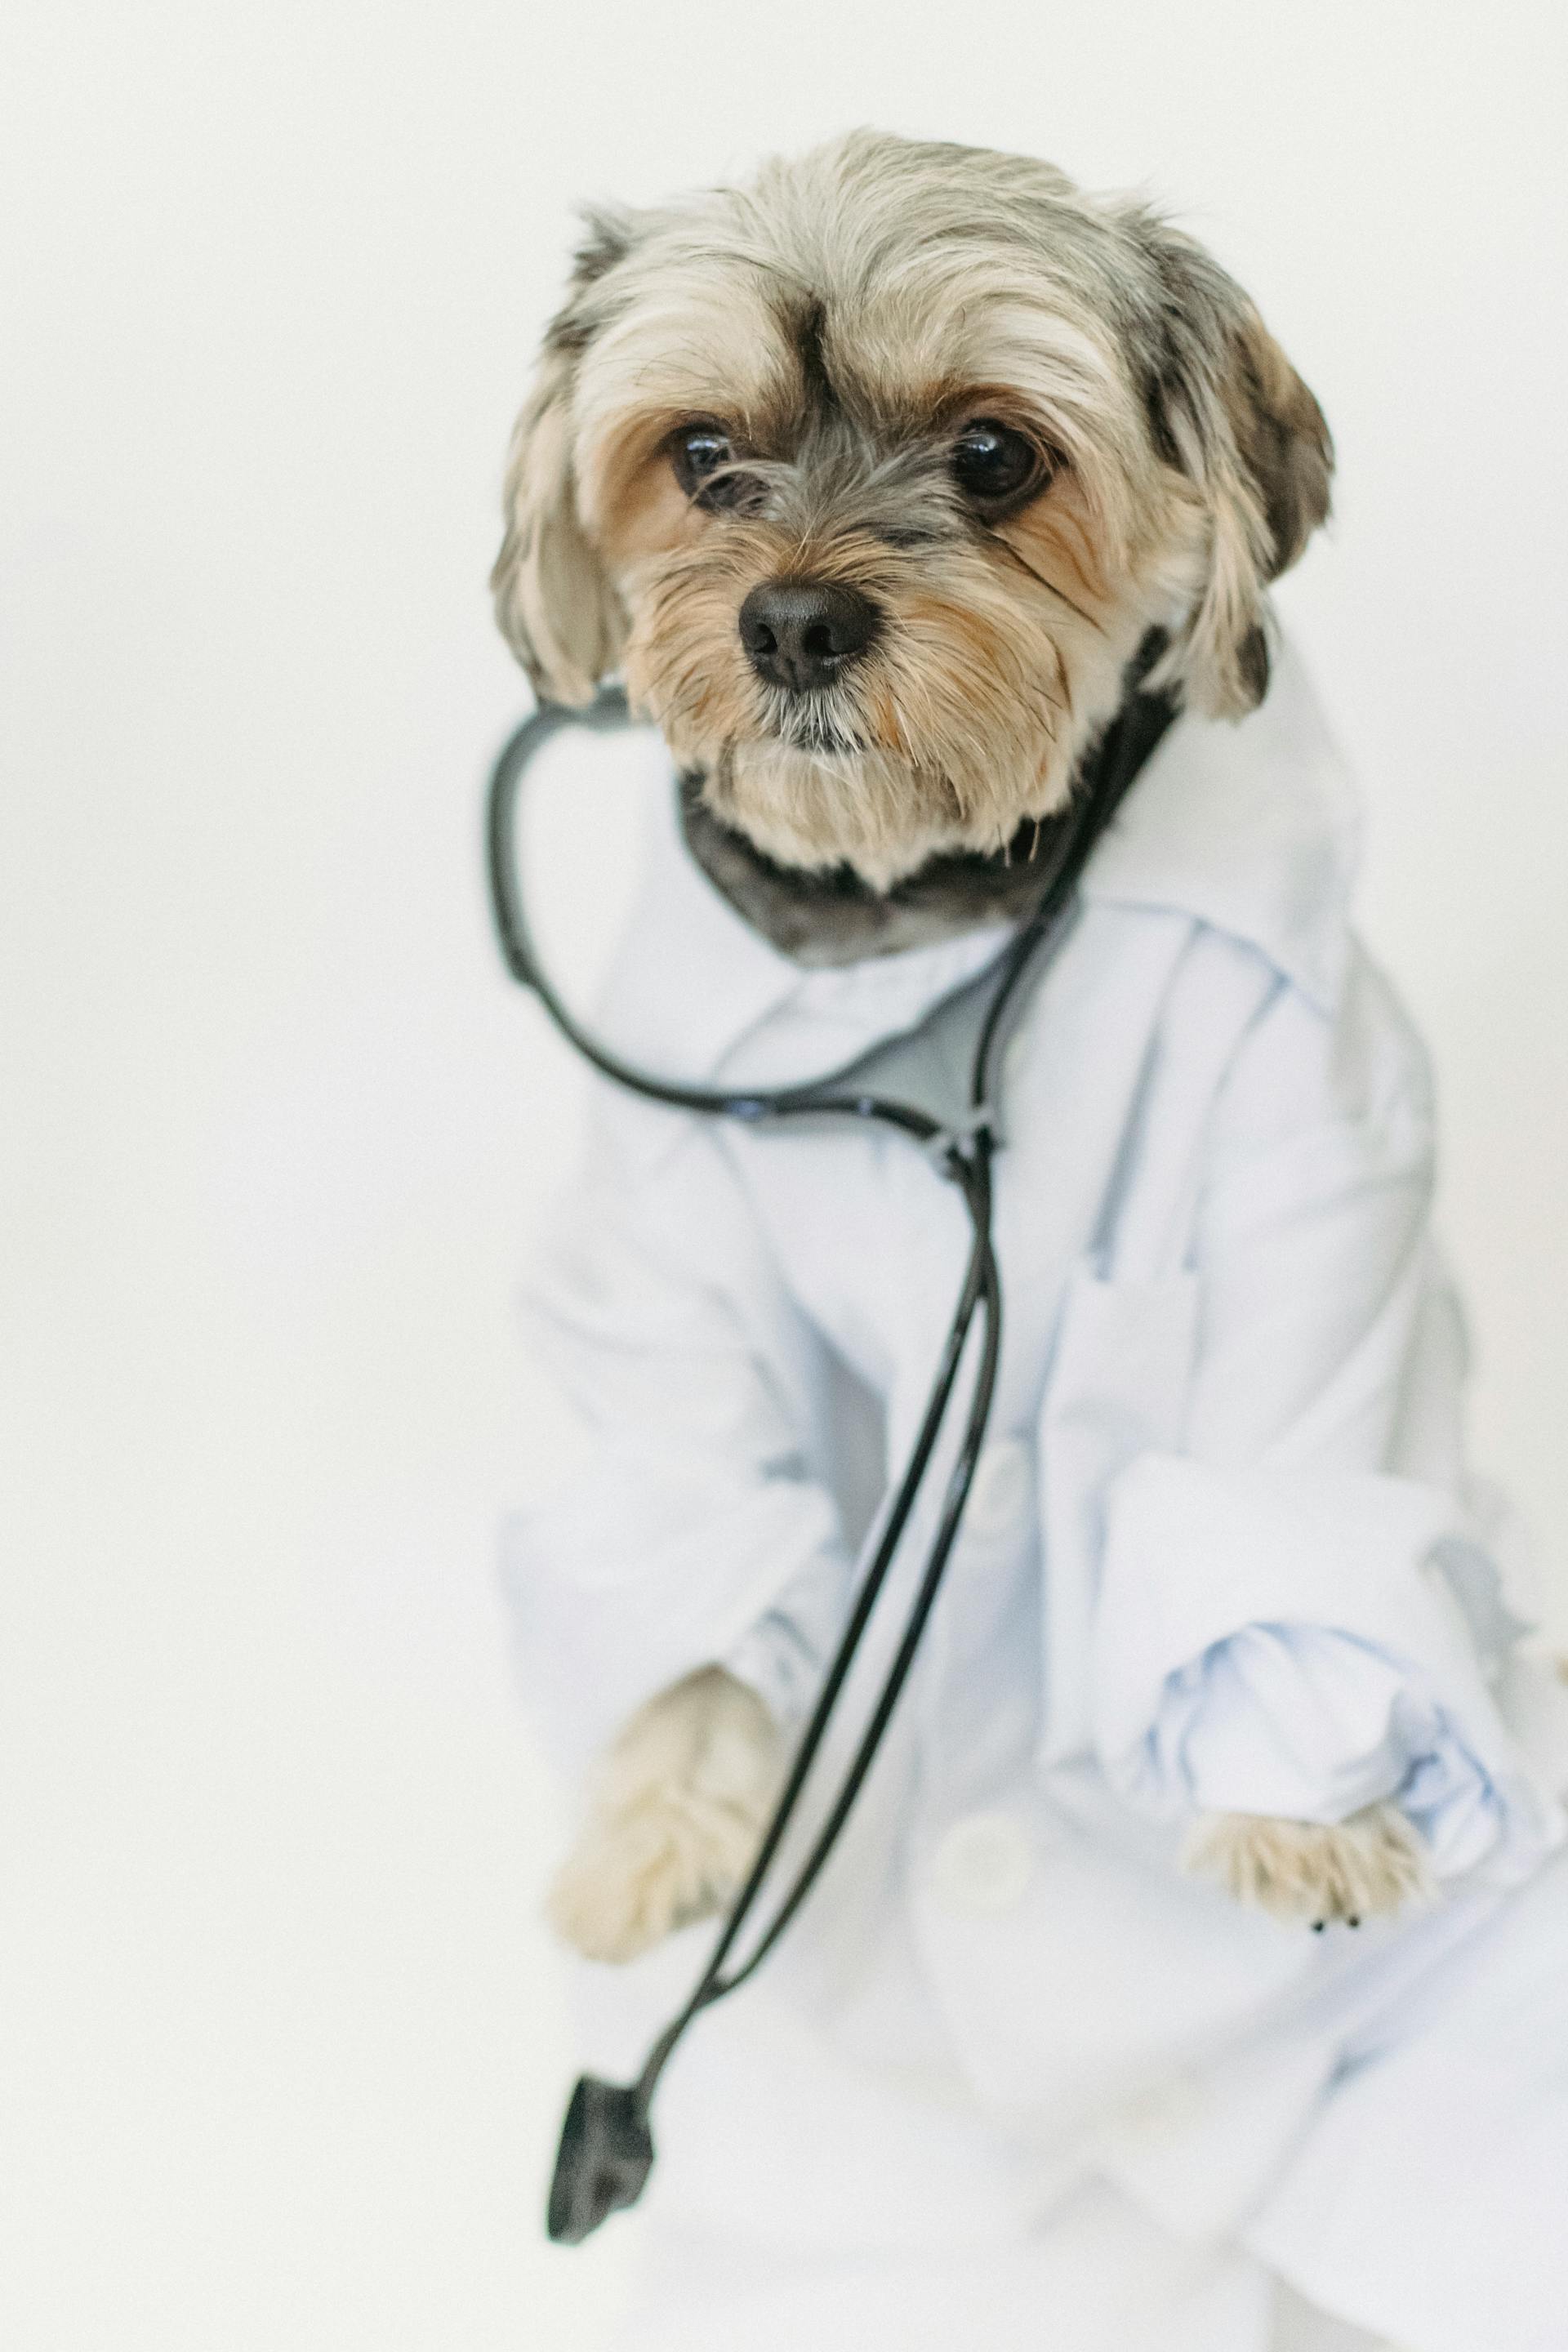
<point>872,477</point>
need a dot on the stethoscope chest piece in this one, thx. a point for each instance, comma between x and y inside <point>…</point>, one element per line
<point>604,2160</point>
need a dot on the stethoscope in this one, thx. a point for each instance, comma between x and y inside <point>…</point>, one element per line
<point>606,2144</point>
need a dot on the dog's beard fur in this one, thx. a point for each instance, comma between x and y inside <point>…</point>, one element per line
<point>967,715</point>
<point>842,321</point>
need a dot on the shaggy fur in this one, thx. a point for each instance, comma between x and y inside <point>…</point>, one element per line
<point>835,328</point>
<point>1352,1870</point>
<point>834,917</point>
<point>676,1806</point>
<point>840,320</point>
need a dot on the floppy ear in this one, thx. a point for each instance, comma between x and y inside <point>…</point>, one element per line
<point>554,605</point>
<point>1228,409</point>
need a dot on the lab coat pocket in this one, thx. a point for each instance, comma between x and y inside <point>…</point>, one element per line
<point>1118,1386</point>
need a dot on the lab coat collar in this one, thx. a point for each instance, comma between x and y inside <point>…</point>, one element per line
<point>1252,829</point>
<point>696,994</point>
<point>1249,828</point>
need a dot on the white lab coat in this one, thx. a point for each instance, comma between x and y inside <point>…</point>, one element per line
<point>1012,2073</point>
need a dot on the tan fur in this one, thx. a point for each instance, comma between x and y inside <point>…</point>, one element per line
<point>974,671</point>
<point>1358,1869</point>
<point>556,607</point>
<point>946,283</point>
<point>841,320</point>
<point>676,1806</point>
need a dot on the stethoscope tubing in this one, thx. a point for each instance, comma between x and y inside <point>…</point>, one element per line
<point>523,959</point>
<point>982,1289</point>
<point>967,1161</point>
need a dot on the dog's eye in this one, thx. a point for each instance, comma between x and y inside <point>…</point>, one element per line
<point>991,464</point>
<point>701,451</point>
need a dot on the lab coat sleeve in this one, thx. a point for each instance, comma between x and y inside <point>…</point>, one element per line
<point>1298,1612</point>
<point>687,1526</point>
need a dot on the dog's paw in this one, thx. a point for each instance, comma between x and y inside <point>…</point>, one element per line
<point>1358,1869</point>
<point>677,1808</point>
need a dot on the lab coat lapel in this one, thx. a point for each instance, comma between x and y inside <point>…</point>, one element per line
<point>696,993</point>
<point>1250,828</point>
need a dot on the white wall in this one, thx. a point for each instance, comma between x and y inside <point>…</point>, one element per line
<point>284,2041</point>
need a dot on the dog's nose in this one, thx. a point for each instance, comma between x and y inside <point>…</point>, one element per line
<point>799,634</point>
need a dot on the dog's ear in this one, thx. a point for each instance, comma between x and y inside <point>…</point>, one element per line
<point>555,607</point>
<point>1228,408</point>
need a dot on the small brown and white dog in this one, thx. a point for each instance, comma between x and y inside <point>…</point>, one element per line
<point>877,473</point>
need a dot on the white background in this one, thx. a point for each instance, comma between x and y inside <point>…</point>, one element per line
<point>283,2039</point>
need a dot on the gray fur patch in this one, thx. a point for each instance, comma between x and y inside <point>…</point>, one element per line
<point>835,918</point>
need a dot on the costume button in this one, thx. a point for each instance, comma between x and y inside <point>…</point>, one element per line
<point>982,1865</point>
<point>1003,1489</point>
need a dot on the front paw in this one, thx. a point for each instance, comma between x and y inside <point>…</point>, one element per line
<point>678,1805</point>
<point>1353,1870</point>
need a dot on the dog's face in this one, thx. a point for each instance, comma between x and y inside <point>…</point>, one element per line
<point>874,475</point>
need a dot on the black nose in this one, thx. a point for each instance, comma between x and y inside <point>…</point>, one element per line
<point>800,633</point>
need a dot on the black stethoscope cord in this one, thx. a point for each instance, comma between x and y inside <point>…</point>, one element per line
<point>606,2147</point>
<point>813,1098</point>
